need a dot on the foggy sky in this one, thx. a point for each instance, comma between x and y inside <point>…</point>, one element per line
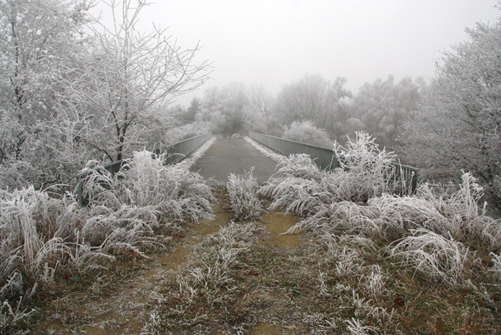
<point>274,42</point>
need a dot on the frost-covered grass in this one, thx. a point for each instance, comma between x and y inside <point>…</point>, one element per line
<point>43,238</point>
<point>145,181</point>
<point>434,256</point>
<point>373,263</point>
<point>439,238</point>
<point>346,277</point>
<point>442,234</point>
<point>243,196</point>
<point>211,290</point>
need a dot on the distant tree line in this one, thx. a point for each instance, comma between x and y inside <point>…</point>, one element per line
<point>311,109</point>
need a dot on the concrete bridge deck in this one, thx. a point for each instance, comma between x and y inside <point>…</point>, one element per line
<point>233,155</point>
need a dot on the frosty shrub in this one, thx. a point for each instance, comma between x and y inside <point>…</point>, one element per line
<point>448,211</point>
<point>444,211</point>
<point>128,228</point>
<point>101,187</point>
<point>434,256</point>
<point>307,132</point>
<point>365,170</point>
<point>31,247</point>
<point>243,196</point>
<point>294,184</point>
<point>301,188</point>
<point>145,181</point>
<point>38,236</point>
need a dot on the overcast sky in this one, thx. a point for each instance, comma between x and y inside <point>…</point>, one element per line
<point>274,42</point>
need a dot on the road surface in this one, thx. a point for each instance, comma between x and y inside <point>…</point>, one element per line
<point>233,155</point>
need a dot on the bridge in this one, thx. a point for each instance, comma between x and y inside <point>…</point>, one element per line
<point>235,155</point>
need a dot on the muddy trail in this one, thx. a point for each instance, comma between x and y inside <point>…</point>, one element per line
<point>125,305</point>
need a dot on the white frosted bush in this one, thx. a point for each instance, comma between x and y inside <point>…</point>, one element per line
<point>367,170</point>
<point>307,132</point>
<point>29,234</point>
<point>243,196</point>
<point>447,212</point>
<point>295,185</point>
<point>301,188</point>
<point>145,181</point>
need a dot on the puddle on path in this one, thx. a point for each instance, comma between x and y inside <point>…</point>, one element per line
<point>277,223</point>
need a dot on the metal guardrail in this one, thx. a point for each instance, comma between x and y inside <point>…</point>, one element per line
<point>323,157</point>
<point>174,154</point>
<point>403,177</point>
<point>180,150</point>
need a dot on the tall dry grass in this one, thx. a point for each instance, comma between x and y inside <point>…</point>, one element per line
<point>441,232</point>
<point>243,196</point>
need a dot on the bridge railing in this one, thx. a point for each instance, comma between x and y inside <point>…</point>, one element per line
<point>180,150</point>
<point>174,154</point>
<point>323,157</point>
<point>403,177</point>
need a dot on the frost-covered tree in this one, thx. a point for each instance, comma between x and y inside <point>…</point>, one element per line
<point>384,106</point>
<point>224,108</point>
<point>301,100</point>
<point>315,99</point>
<point>130,78</point>
<point>40,43</point>
<point>338,112</point>
<point>258,112</point>
<point>460,124</point>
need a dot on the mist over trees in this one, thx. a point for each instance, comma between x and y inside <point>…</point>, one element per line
<point>314,104</point>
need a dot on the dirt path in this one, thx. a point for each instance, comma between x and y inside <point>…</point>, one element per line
<point>123,307</point>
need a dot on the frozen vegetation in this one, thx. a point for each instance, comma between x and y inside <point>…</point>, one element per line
<point>371,262</point>
<point>133,211</point>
